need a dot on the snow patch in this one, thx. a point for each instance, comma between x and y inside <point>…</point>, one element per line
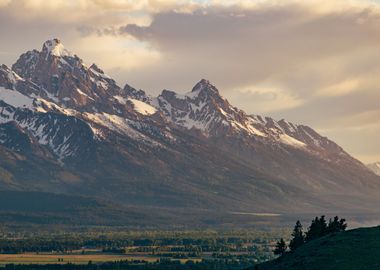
<point>15,99</point>
<point>223,112</point>
<point>83,94</point>
<point>121,99</point>
<point>138,105</point>
<point>286,139</point>
<point>112,122</point>
<point>56,48</point>
<point>102,75</point>
<point>255,131</point>
<point>188,95</point>
<point>142,107</point>
<point>118,124</point>
<point>13,77</point>
<point>41,103</point>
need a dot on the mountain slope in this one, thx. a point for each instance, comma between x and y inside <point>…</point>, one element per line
<point>26,208</point>
<point>375,167</point>
<point>66,127</point>
<point>355,249</point>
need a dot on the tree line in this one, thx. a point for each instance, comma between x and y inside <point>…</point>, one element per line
<point>162,264</point>
<point>63,244</point>
<point>319,227</point>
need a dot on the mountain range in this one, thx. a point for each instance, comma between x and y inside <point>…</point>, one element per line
<point>68,128</point>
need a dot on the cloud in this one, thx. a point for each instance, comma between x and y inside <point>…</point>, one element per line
<point>266,100</point>
<point>4,3</point>
<point>96,11</point>
<point>342,88</point>
<point>89,12</point>
<point>291,45</point>
<point>116,52</point>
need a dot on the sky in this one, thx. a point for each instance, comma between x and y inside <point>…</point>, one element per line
<point>307,61</point>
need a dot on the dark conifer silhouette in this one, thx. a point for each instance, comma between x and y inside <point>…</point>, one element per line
<point>298,237</point>
<point>280,247</point>
<point>336,225</point>
<point>317,229</point>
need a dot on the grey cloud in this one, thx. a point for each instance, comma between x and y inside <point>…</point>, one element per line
<point>257,45</point>
<point>86,30</point>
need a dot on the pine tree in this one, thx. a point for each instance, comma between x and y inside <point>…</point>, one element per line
<point>336,225</point>
<point>342,224</point>
<point>317,229</point>
<point>298,237</point>
<point>280,248</point>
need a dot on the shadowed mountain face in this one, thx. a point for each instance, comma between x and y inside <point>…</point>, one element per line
<point>69,128</point>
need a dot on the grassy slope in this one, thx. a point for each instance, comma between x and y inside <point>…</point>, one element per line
<point>31,208</point>
<point>355,249</point>
<point>20,207</point>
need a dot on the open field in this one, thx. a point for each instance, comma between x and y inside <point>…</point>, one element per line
<point>29,258</point>
<point>34,258</point>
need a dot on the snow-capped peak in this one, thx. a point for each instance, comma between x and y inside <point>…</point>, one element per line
<point>56,48</point>
<point>206,110</point>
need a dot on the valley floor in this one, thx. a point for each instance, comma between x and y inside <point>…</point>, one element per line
<point>104,246</point>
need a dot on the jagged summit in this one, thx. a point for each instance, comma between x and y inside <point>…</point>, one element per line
<point>205,86</point>
<point>96,68</point>
<point>57,75</point>
<point>201,90</point>
<point>55,47</point>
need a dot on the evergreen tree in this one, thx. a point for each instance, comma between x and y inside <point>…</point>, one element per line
<point>298,237</point>
<point>342,224</point>
<point>317,229</point>
<point>280,248</point>
<point>337,225</point>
